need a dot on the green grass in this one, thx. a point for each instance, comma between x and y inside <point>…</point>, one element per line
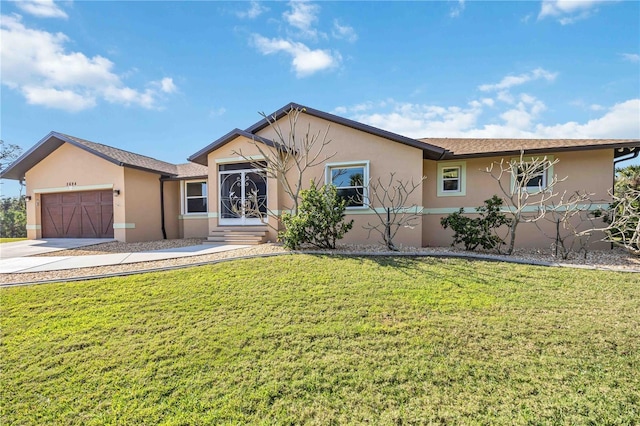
<point>10,240</point>
<point>326,340</point>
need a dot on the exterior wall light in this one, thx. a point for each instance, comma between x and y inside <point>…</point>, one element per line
<point>116,192</point>
<point>27,197</point>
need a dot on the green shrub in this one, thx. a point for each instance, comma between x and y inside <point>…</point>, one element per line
<point>479,231</point>
<point>319,220</point>
<point>13,217</point>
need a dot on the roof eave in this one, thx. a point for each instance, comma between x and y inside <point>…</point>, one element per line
<point>200,157</point>
<point>179,178</point>
<point>17,169</point>
<point>145,169</point>
<point>46,146</point>
<point>430,151</point>
<point>452,155</point>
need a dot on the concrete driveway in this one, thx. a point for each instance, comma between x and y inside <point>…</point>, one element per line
<point>34,247</point>
<point>20,258</point>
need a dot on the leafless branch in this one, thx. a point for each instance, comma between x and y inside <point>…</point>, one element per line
<point>291,156</point>
<point>525,202</point>
<point>389,202</point>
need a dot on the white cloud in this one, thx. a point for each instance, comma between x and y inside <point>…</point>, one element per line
<point>620,121</point>
<point>60,99</point>
<point>305,61</point>
<point>418,120</point>
<point>631,57</point>
<point>303,15</point>
<point>41,8</point>
<point>255,9</point>
<point>516,80</point>
<point>167,85</point>
<point>522,115</point>
<point>344,32</point>
<point>457,9</point>
<point>569,11</point>
<point>519,121</point>
<point>37,64</point>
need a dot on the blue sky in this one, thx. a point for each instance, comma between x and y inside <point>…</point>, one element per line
<point>166,78</point>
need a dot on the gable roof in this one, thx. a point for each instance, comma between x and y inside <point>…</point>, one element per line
<point>200,157</point>
<point>117,156</point>
<point>470,147</point>
<point>429,151</point>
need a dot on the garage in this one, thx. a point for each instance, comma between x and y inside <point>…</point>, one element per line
<point>87,214</point>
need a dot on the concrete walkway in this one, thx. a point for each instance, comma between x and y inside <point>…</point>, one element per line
<point>30,263</point>
<point>36,247</point>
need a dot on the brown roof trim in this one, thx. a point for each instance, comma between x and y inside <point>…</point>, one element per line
<point>200,157</point>
<point>31,157</point>
<point>431,152</point>
<point>54,140</point>
<point>179,178</point>
<point>546,150</point>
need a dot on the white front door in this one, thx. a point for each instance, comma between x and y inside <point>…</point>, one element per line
<point>243,195</point>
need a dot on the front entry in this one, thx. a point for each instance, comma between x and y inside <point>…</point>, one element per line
<point>243,195</point>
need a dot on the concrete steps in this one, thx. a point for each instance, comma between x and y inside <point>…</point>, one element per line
<point>244,235</point>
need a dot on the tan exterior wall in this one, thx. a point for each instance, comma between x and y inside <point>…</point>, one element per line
<point>142,198</point>
<point>172,209</point>
<point>194,226</point>
<point>590,171</point>
<point>348,145</point>
<point>72,169</point>
<point>69,168</point>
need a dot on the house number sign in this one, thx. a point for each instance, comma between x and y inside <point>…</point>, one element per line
<point>71,184</point>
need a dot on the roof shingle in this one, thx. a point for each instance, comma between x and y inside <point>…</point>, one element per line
<point>126,158</point>
<point>469,147</point>
<point>191,170</point>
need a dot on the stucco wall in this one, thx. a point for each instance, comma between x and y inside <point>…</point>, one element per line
<point>142,197</point>
<point>590,171</point>
<point>347,145</point>
<point>69,168</point>
<point>172,209</point>
<point>384,157</point>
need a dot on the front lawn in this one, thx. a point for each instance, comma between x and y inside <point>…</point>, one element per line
<point>11,240</point>
<point>317,339</point>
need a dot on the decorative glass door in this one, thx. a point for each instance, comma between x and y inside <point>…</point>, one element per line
<point>243,195</point>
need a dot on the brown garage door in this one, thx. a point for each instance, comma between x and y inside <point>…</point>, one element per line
<point>77,215</point>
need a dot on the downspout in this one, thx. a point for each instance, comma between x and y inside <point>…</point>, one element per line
<point>632,155</point>
<point>164,231</point>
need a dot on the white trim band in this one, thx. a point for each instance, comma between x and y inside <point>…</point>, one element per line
<point>124,226</point>
<point>73,188</point>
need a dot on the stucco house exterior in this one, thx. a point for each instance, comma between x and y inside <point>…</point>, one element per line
<point>77,188</point>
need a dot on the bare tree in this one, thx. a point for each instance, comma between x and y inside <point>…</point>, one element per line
<point>572,217</point>
<point>389,200</point>
<point>290,156</point>
<point>624,220</point>
<point>8,153</point>
<point>527,191</point>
